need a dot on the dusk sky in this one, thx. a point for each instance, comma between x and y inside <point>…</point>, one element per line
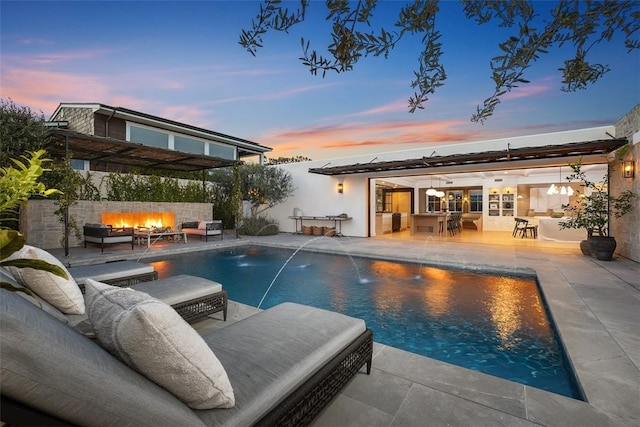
<point>182,61</point>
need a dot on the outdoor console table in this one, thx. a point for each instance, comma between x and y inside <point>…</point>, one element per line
<point>148,235</point>
<point>337,221</point>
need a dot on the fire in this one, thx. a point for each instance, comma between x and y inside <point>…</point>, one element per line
<point>139,219</point>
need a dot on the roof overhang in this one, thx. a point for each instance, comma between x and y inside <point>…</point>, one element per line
<point>115,151</point>
<point>509,158</point>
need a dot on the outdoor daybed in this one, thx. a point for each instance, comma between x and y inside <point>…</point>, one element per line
<point>280,366</point>
<point>204,228</point>
<point>105,234</point>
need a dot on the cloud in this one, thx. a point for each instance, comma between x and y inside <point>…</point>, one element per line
<point>367,135</point>
<point>528,90</point>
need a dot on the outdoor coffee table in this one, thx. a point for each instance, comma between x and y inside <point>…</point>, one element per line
<point>148,235</point>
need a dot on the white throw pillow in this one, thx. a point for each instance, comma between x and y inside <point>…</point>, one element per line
<point>202,225</point>
<point>64,294</point>
<point>152,338</point>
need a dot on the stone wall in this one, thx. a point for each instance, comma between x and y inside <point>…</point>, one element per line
<point>80,119</point>
<point>41,226</point>
<point>626,230</point>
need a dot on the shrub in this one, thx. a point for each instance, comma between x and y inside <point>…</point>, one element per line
<point>259,226</point>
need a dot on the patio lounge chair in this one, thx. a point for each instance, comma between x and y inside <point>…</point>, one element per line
<point>103,234</point>
<point>204,228</point>
<point>194,298</point>
<point>117,273</point>
<point>285,365</point>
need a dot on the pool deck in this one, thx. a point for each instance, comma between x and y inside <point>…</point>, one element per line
<point>595,304</point>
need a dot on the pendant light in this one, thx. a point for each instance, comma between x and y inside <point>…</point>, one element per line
<point>431,191</point>
<point>564,190</point>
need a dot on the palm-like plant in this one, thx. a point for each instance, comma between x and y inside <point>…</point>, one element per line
<point>17,184</point>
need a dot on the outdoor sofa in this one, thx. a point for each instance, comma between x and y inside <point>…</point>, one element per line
<point>104,234</point>
<point>204,228</point>
<point>284,364</point>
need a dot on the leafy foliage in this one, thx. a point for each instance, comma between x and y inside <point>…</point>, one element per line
<point>283,160</point>
<point>595,204</point>
<point>583,24</point>
<point>264,186</point>
<point>21,131</point>
<point>259,226</point>
<point>21,181</point>
<point>16,186</point>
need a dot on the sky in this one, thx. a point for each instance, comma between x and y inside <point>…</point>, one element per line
<point>182,61</point>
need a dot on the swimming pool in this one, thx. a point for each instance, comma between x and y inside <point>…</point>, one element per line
<point>492,324</point>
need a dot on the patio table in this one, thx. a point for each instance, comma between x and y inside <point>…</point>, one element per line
<point>148,235</point>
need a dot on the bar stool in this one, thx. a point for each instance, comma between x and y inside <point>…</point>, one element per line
<point>532,229</point>
<point>520,227</point>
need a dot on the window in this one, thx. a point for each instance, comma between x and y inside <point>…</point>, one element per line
<point>79,164</point>
<point>455,200</point>
<point>169,140</point>
<point>188,145</point>
<point>148,137</point>
<point>222,151</point>
<point>475,200</point>
<point>434,204</point>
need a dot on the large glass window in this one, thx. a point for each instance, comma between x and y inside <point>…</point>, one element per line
<point>475,200</point>
<point>222,151</point>
<point>188,145</point>
<point>148,137</point>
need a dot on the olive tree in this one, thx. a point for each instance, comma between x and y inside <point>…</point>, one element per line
<point>536,29</point>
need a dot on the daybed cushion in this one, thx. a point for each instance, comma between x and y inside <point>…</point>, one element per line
<point>48,365</point>
<point>64,294</point>
<point>6,277</point>
<point>180,288</point>
<point>109,271</point>
<point>272,353</point>
<point>152,338</point>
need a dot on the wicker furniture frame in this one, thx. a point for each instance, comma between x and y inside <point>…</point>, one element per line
<point>199,308</point>
<point>302,406</point>
<point>125,282</point>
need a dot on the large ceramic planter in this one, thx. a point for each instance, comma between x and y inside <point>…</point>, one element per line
<point>602,247</point>
<point>585,247</point>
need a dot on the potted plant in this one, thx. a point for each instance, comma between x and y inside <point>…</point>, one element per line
<point>592,210</point>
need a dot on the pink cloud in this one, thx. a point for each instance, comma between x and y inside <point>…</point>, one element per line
<point>363,135</point>
<point>529,89</point>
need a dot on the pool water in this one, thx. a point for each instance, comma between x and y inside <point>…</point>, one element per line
<point>492,324</point>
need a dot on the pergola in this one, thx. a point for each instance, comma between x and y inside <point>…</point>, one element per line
<point>100,149</point>
<point>510,157</point>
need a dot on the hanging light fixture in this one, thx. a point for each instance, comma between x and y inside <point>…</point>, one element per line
<point>431,191</point>
<point>564,190</point>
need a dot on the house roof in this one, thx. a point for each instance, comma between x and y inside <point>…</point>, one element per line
<point>112,150</point>
<point>245,147</point>
<point>510,157</point>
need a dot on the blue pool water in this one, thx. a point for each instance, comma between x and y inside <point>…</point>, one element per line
<point>492,324</point>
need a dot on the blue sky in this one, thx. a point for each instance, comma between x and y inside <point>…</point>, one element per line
<point>182,61</point>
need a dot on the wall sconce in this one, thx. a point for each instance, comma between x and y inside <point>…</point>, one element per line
<point>628,169</point>
<point>340,188</point>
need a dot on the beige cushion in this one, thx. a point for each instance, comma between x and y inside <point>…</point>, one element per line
<point>202,225</point>
<point>64,294</point>
<point>152,338</point>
